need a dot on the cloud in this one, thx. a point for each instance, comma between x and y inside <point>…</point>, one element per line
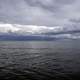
<point>35,29</point>
<point>39,12</point>
<point>40,17</point>
<point>4,28</point>
<point>32,29</point>
<point>67,31</point>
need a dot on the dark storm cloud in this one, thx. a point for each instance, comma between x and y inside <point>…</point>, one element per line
<point>38,12</point>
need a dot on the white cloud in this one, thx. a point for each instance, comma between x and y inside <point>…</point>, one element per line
<point>8,27</point>
<point>38,30</point>
<point>34,29</point>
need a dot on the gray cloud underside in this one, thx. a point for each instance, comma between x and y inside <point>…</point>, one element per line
<point>39,12</point>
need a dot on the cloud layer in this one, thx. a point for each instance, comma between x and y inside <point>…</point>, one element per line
<point>56,31</point>
<point>31,29</point>
<point>39,12</point>
<point>40,17</point>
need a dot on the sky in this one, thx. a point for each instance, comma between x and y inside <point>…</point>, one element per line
<point>40,17</point>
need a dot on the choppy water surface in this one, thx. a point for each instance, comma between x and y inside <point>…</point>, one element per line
<point>35,60</point>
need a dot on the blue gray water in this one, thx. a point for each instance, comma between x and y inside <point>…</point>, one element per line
<point>40,60</point>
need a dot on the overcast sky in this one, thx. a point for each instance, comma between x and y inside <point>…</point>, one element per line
<point>49,13</point>
<point>40,12</point>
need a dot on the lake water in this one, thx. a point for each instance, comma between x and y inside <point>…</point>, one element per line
<point>40,60</point>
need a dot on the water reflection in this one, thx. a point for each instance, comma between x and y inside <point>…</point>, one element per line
<point>40,60</point>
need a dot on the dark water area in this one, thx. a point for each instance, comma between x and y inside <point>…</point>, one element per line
<point>40,60</point>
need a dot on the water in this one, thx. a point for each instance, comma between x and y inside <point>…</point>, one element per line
<point>40,60</point>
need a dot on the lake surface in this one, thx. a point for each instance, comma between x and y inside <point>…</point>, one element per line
<point>40,60</point>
